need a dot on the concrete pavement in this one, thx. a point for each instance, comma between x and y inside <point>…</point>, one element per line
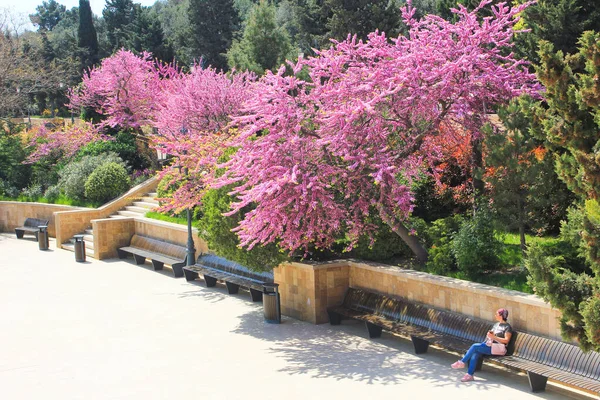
<point>114,330</point>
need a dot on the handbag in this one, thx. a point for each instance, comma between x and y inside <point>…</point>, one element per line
<point>498,349</point>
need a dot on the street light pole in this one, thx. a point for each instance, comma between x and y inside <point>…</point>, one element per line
<point>191,250</point>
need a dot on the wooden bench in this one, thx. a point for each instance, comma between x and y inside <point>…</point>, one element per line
<point>31,227</point>
<point>234,275</point>
<point>158,251</point>
<point>541,358</point>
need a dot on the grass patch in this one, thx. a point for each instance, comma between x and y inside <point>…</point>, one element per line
<point>167,218</point>
<point>511,255</point>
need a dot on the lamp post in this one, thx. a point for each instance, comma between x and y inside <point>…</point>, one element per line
<point>191,250</point>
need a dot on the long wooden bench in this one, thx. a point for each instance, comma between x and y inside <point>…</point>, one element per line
<point>214,268</point>
<point>158,251</point>
<point>540,357</point>
<point>30,226</point>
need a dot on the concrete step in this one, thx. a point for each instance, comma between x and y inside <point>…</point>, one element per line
<point>152,194</point>
<point>144,204</point>
<point>89,244</point>
<point>124,213</point>
<point>71,247</point>
<point>117,216</point>
<point>150,200</point>
<point>141,210</point>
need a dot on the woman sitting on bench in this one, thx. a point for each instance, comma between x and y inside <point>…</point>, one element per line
<point>497,339</point>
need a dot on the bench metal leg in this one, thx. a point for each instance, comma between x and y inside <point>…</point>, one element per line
<point>36,237</point>
<point>256,295</point>
<point>479,364</point>
<point>334,318</point>
<point>232,288</point>
<point>157,265</point>
<point>421,345</point>
<point>177,270</point>
<point>190,275</point>
<point>537,382</point>
<point>139,259</point>
<point>374,330</point>
<point>210,281</point>
<point>19,234</point>
<point>122,254</point>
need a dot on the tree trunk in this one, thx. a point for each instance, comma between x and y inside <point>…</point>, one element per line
<point>477,170</point>
<point>521,222</point>
<point>411,241</point>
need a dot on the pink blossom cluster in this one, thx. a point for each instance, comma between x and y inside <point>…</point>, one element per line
<point>61,143</point>
<point>317,156</point>
<point>323,144</point>
<point>124,88</point>
<point>193,116</point>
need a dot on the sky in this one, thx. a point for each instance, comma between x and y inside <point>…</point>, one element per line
<point>26,7</point>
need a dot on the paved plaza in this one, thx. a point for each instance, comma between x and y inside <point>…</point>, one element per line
<point>114,330</point>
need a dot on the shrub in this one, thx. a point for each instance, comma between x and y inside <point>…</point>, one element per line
<point>475,245</point>
<point>387,244</point>
<point>52,193</point>
<point>6,190</point>
<point>571,292</point>
<point>216,228</point>
<point>75,174</point>
<point>33,192</point>
<point>107,182</point>
<point>124,146</point>
<point>439,237</point>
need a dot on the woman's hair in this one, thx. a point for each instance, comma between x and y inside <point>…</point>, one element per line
<point>503,312</point>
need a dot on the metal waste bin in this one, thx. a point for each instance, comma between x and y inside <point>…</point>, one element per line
<point>79,248</point>
<point>271,303</point>
<point>43,237</point>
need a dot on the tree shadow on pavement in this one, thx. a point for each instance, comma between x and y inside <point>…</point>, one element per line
<point>346,353</point>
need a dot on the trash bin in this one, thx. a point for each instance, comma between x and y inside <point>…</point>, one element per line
<point>271,303</point>
<point>43,237</point>
<point>79,248</point>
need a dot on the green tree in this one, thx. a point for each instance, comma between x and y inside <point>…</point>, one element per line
<point>525,189</point>
<point>264,45</point>
<point>212,24</point>
<point>176,27</point>
<point>88,39</point>
<point>361,17</point>
<point>119,16</point>
<point>560,22</point>
<point>146,34</point>
<point>47,15</point>
<point>570,124</point>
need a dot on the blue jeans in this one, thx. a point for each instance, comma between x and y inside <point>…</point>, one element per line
<point>474,354</point>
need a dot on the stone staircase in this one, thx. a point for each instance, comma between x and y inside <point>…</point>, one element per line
<point>137,209</point>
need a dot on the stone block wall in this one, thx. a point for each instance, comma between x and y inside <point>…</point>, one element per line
<point>307,290</point>
<point>14,213</point>
<point>169,232</point>
<point>527,312</point>
<point>110,234</point>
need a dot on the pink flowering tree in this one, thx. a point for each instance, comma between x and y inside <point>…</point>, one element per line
<point>317,156</point>
<point>192,118</point>
<point>62,143</point>
<point>124,88</point>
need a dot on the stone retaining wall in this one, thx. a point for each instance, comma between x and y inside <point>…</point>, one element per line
<point>307,290</point>
<point>14,213</point>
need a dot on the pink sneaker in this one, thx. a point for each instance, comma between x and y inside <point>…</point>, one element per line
<point>457,365</point>
<point>467,378</point>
